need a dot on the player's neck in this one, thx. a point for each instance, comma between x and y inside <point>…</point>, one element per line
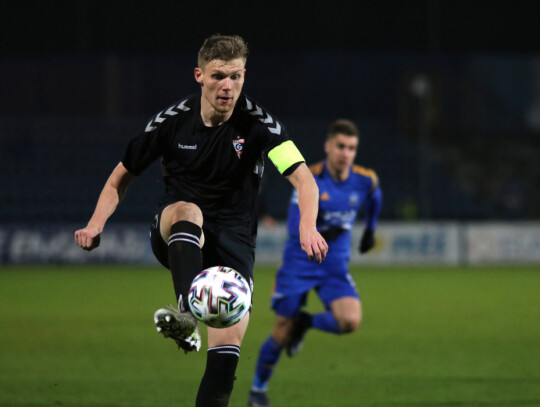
<point>211,117</point>
<point>336,174</point>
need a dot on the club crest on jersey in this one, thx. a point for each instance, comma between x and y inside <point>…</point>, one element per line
<point>238,147</point>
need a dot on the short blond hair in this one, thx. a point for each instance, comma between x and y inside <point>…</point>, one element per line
<point>222,47</point>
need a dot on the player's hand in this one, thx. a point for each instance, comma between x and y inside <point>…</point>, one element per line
<point>87,238</point>
<point>367,242</point>
<point>313,244</point>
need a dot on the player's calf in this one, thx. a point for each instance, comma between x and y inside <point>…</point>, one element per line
<point>302,322</point>
<point>217,383</point>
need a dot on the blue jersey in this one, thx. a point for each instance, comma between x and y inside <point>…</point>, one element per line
<point>339,203</point>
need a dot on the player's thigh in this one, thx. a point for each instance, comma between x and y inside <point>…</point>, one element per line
<point>159,246</point>
<point>339,294</point>
<point>335,286</point>
<point>288,305</point>
<point>224,248</point>
<point>232,335</point>
<point>348,312</point>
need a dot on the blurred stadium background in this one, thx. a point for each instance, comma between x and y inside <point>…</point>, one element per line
<point>447,97</point>
<point>446,94</point>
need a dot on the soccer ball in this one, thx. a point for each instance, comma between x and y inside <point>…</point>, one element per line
<point>219,296</point>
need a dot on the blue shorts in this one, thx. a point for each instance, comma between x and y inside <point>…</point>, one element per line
<point>331,280</point>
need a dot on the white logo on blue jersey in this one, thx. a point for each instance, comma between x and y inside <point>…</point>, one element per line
<point>345,219</point>
<point>354,199</point>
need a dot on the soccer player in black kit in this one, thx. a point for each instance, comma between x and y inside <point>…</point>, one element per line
<point>212,147</point>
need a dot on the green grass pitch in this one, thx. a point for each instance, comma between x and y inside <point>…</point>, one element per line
<point>83,336</point>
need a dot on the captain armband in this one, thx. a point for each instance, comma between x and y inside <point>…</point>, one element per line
<point>285,156</point>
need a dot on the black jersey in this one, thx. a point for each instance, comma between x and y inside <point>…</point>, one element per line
<point>216,168</point>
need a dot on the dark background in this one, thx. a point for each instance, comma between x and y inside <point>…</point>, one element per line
<point>445,93</point>
<point>428,26</point>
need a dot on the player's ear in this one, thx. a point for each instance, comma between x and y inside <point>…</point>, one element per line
<point>199,75</point>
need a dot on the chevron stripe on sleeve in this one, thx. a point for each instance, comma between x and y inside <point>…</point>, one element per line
<point>165,114</point>
<point>253,109</point>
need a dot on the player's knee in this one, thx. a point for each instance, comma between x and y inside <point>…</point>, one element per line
<point>186,211</point>
<point>348,327</point>
<point>232,335</point>
<point>349,324</point>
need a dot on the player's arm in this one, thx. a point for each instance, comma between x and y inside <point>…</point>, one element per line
<point>308,202</point>
<point>291,164</point>
<point>113,192</point>
<point>141,151</point>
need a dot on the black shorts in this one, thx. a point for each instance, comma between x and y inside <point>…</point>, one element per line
<point>222,247</point>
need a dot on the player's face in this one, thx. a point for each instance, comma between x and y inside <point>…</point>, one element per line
<point>222,83</point>
<point>340,152</point>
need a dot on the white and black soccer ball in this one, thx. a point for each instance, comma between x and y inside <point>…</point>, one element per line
<point>219,296</point>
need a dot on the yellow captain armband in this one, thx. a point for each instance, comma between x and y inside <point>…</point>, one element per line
<point>285,155</point>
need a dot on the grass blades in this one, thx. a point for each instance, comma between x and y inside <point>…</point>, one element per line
<point>83,336</point>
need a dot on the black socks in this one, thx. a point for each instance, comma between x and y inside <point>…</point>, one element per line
<point>217,383</point>
<point>185,258</point>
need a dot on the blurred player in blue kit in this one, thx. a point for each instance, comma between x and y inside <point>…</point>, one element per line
<point>343,189</point>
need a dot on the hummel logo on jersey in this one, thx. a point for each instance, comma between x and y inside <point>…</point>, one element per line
<point>263,117</point>
<point>238,147</point>
<point>163,115</point>
<point>187,147</point>
<point>325,196</point>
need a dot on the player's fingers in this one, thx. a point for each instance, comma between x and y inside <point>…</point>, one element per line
<point>83,239</point>
<point>323,245</point>
<point>320,249</point>
<point>317,253</point>
<point>324,249</point>
<point>79,238</point>
<point>87,241</point>
<point>308,250</point>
